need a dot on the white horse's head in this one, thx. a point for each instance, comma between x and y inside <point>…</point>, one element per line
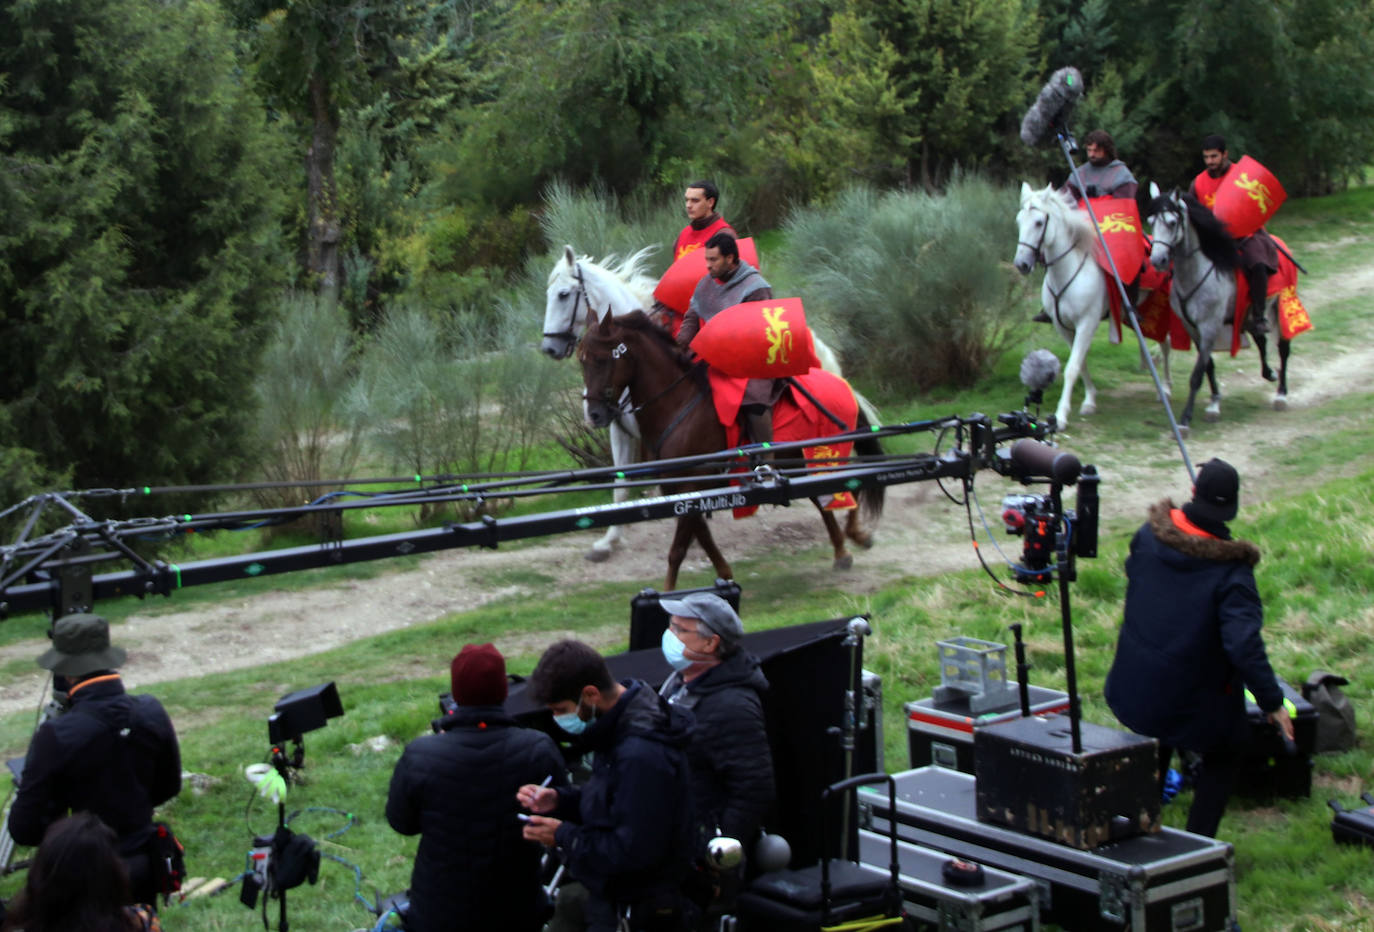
<point>1168,225</point>
<point>579,284</point>
<point>1047,225</point>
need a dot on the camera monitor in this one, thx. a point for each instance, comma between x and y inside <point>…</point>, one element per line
<point>303,710</point>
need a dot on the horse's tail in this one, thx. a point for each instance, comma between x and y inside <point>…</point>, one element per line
<point>870,497</point>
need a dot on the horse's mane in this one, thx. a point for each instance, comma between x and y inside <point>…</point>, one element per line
<point>1213,237</point>
<point>630,270</point>
<point>1060,205</point>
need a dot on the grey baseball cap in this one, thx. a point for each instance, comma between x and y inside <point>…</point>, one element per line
<point>711,610</point>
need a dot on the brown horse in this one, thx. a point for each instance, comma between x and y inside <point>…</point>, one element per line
<point>672,401</point>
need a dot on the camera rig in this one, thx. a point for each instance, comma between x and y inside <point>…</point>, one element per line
<point>57,571</point>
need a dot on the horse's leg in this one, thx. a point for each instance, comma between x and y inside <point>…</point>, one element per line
<point>624,450</point>
<point>708,544</point>
<point>855,531</point>
<point>1213,410</point>
<point>1262,344</point>
<point>1281,396</point>
<point>1079,342</point>
<point>1204,362</point>
<point>1089,405</point>
<point>677,550</point>
<point>843,560</point>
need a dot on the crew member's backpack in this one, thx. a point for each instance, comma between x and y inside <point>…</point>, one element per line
<point>1335,714</point>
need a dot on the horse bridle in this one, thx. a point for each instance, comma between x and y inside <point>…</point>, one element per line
<point>608,398</point>
<point>1039,248</point>
<point>579,296</point>
<point>1178,211</point>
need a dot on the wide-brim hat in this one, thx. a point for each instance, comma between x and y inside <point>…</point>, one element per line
<point>81,645</point>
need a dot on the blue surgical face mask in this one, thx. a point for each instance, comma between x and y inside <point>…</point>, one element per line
<point>673,651</point>
<point>572,722</point>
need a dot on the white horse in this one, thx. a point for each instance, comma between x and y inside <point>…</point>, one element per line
<point>1204,261</point>
<point>1051,231</point>
<point>576,285</point>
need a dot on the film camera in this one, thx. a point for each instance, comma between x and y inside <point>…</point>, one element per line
<point>1052,535</point>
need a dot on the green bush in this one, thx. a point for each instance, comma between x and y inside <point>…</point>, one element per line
<point>915,286</point>
<point>466,399</point>
<point>305,426</point>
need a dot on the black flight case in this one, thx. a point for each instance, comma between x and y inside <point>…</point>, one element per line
<point>1169,881</point>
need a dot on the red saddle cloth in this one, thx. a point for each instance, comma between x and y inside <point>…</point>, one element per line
<point>796,417</point>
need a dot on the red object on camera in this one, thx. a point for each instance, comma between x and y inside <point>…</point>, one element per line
<point>676,286</point>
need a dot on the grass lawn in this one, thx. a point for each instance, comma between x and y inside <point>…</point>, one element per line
<point>1312,516</point>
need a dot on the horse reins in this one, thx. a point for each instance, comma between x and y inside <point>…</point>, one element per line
<point>1039,251</point>
<point>621,411</point>
<point>1186,254</point>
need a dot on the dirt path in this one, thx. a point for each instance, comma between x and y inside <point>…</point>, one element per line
<point>922,532</point>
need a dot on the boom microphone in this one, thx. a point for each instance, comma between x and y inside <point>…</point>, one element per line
<point>1039,369</point>
<point>1040,459</point>
<point>1052,108</point>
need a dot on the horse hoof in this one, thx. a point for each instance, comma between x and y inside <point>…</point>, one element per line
<point>1183,430</point>
<point>1269,375</point>
<point>597,556</point>
<point>1210,416</point>
<point>844,563</point>
<point>864,540</point>
<point>1280,402</point>
<point>1088,410</point>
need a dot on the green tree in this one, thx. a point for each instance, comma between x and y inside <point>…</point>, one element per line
<point>137,240</point>
<point>963,70</point>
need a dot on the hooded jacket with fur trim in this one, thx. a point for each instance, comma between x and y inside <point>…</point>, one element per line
<point>1190,639</point>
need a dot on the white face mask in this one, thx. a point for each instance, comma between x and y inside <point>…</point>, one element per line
<point>674,651</point>
<point>572,722</point>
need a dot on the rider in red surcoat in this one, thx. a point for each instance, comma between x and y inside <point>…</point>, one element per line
<point>703,222</point>
<point>1259,256</point>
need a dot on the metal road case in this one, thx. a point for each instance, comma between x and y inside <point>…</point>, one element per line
<point>941,733</point>
<point>1170,881</point>
<point>1268,770</point>
<point>1001,901</point>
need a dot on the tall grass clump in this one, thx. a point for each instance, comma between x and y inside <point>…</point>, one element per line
<point>306,428</point>
<point>915,284</point>
<point>597,223</point>
<point>467,398</point>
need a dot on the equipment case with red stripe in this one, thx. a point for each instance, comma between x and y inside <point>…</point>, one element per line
<point>941,733</point>
<point>1170,880</point>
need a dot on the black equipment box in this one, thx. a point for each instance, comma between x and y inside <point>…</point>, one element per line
<point>941,733</point>
<point>1031,779</point>
<point>1268,770</point>
<point>1170,881</point>
<point>648,620</point>
<point>999,901</point>
<point>1353,826</point>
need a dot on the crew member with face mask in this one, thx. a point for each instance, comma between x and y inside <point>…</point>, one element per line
<point>731,763</point>
<point>628,833</point>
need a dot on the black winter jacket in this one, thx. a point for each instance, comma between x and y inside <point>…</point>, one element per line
<point>457,790</point>
<point>732,766</point>
<point>111,754</point>
<point>628,833</point>
<point>1190,640</point>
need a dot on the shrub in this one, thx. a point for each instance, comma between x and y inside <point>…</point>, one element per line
<point>306,428</point>
<point>916,286</point>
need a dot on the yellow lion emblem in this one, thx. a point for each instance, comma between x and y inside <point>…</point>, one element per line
<point>1256,191</point>
<point>1117,223</point>
<point>778,332</point>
